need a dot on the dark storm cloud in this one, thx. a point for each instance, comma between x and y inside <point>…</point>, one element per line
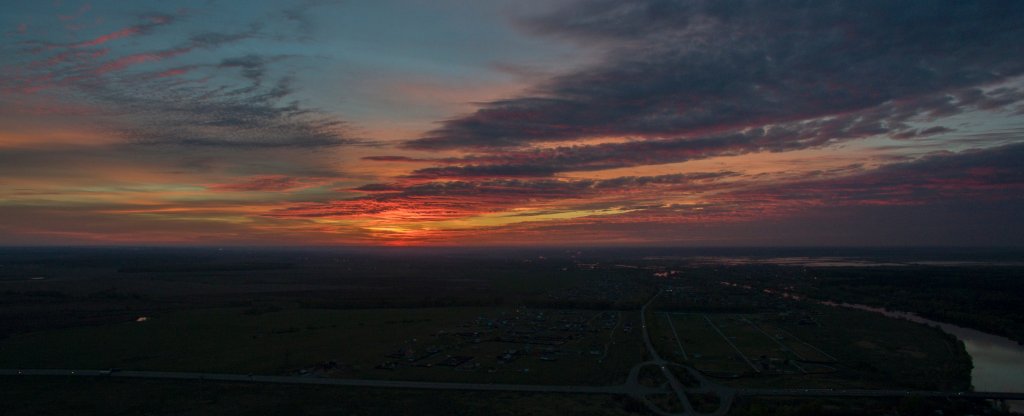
<point>697,67</point>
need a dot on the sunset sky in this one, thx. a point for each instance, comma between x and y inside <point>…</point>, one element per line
<point>512,122</point>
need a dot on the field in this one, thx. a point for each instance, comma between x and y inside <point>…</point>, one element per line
<point>831,348</point>
<point>802,350</point>
<point>708,351</point>
<point>761,352</point>
<point>874,350</point>
<point>418,344</point>
<point>533,319</point>
<point>37,397</point>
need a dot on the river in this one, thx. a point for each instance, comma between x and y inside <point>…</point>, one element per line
<point>998,361</point>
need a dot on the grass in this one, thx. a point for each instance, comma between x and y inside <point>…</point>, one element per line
<point>765,406</point>
<point>651,376</point>
<point>800,349</point>
<point>704,402</point>
<point>229,340</point>
<point>753,343</point>
<point>872,351</point>
<point>887,352</point>
<point>283,342</point>
<point>668,402</point>
<point>662,338</point>
<point>708,352</point>
<point>26,396</point>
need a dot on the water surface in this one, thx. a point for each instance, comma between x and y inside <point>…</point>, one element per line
<point>998,361</point>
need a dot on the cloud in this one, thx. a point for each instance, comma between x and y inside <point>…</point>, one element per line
<point>703,67</point>
<point>150,22</point>
<point>395,159</point>
<point>83,9</point>
<point>238,102</point>
<point>139,58</point>
<point>922,132</point>
<point>378,187</point>
<point>974,175</point>
<point>434,201</point>
<point>980,177</point>
<point>272,183</point>
<point>253,67</point>
<point>250,117</point>
<point>891,118</point>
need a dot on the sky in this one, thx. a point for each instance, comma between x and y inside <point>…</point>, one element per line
<point>512,123</point>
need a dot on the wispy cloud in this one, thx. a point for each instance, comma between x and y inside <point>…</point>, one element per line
<point>185,105</point>
<point>677,68</point>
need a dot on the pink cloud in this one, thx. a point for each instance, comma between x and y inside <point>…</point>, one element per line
<point>139,58</point>
<point>173,72</point>
<point>126,32</point>
<point>81,10</point>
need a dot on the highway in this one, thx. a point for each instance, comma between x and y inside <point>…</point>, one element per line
<point>656,359</point>
<point>631,388</point>
<point>625,389</point>
<point>166,375</point>
<point>878,393</point>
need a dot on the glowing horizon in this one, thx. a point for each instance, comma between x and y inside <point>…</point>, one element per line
<point>585,122</point>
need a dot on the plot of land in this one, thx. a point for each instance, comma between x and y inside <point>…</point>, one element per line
<point>800,349</point>
<point>444,344</point>
<point>766,354</point>
<point>708,351</point>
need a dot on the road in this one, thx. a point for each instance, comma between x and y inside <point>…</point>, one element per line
<point>878,393</point>
<point>675,334</point>
<point>631,388</point>
<point>538,388</point>
<point>656,359</point>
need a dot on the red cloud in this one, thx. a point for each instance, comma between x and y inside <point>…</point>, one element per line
<point>173,72</point>
<point>139,58</point>
<point>262,184</point>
